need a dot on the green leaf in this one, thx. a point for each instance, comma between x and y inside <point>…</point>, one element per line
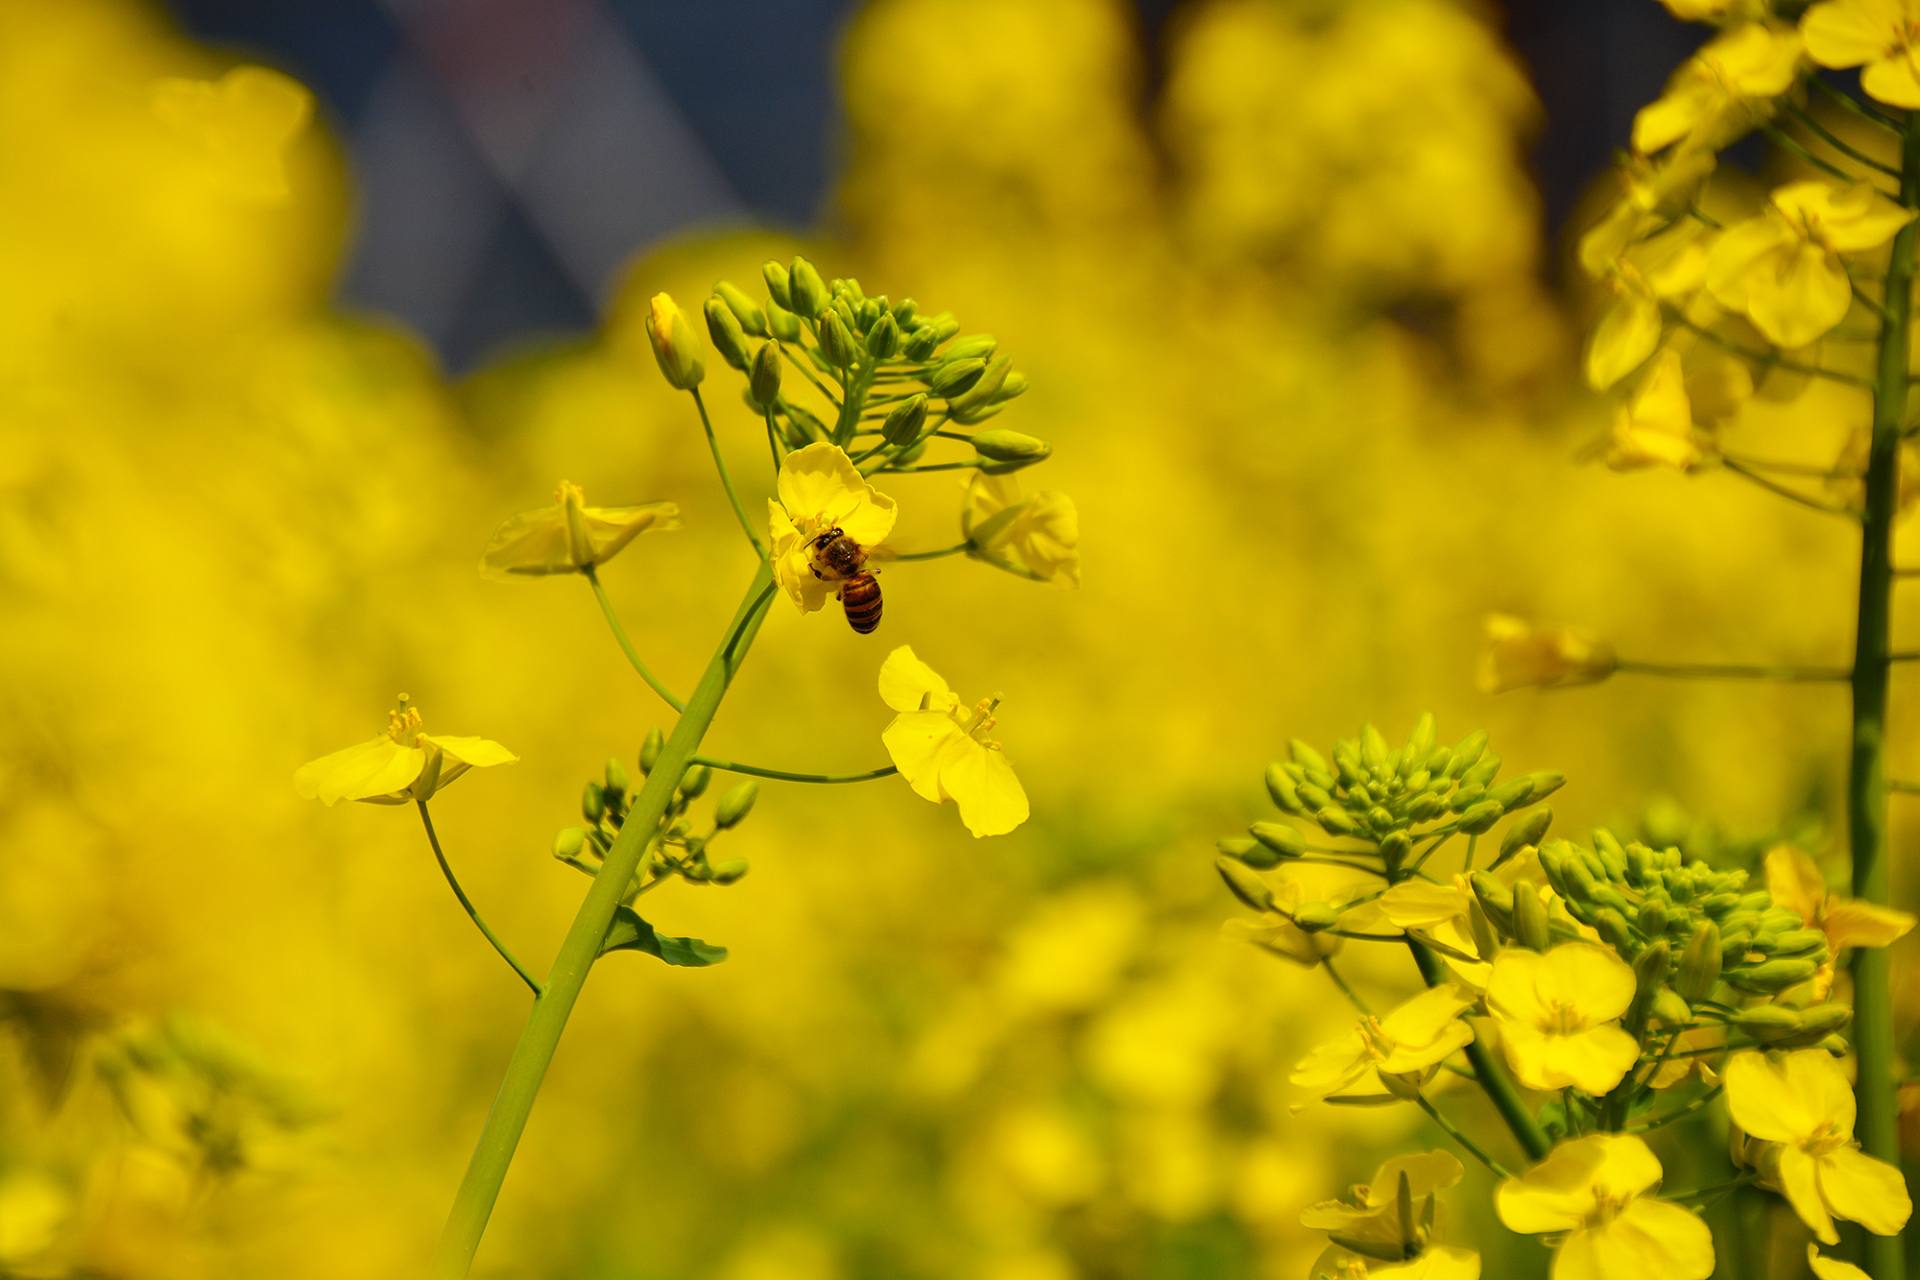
<point>629,932</point>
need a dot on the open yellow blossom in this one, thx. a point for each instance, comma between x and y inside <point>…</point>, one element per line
<point>1802,1102</point>
<point>401,764</point>
<point>242,123</point>
<point>1276,931</point>
<point>1411,1041</point>
<point>1039,533</point>
<point>1433,912</point>
<point>820,489</point>
<point>1522,654</point>
<point>943,752</point>
<point>1722,91</point>
<point>1655,428</point>
<point>1371,1212</point>
<point>1661,268</point>
<point>1436,1262</point>
<point>569,535</point>
<point>1594,1189</point>
<point>1782,267</point>
<point>1559,1014</point>
<point>1796,884</point>
<point>1653,193</point>
<point>1880,36</point>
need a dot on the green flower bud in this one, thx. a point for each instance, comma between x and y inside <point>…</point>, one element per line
<point>763,380</point>
<point>1379,819</point>
<point>1315,797</point>
<point>1281,788</point>
<point>1544,783</point>
<point>1528,831</point>
<point>1378,1250</point>
<point>1467,753</point>
<point>1669,1008</point>
<point>974,345</point>
<point>808,295</point>
<point>1395,846</point>
<point>593,805</point>
<point>1512,794</point>
<point>650,750</point>
<point>1798,941</point>
<point>883,340</point>
<point>1244,884</point>
<point>1358,794</point>
<point>905,421</point>
<point>982,400</point>
<point>1652,918</point>
<point>675,347</point>
<point>1530,919</point>
<point>1281,837</point>
<point>728,871</point>
<point>782,324</point>
<point>778,286</point>
<point>1249,851</point>
<point>1482,773</point>
<point>734,806</point>
<point>837,346</point>
<point>1337,820</point>
<point>1013,388</point>
<point>616,774</point>
<point>1306,757</point>
<point>1772,975</point>
<point>728,337</point>
<point>1481,817</point>
<point>1497,898</point>
<point>752,319</point>
<point>1480,925</point>
<point>951,378</point>
<point>1768,1021</point>
<point>694,781</point>
<point>1010,446</point>
<point>1613,929</point>
<point>1315,916</point>
<point>1423,807</point>
<point>569,842</point>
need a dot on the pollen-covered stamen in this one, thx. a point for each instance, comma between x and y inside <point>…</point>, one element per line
<point>404,723</point>
<point>981,720</point>
<point>1562,1019</point>
<point>1607,1206</point>
<point>1374,1039</point>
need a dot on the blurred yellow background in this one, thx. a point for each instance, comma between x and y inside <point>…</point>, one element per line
<point>1289,334</point>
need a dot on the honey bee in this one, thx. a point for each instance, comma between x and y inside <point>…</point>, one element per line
<point>838,558</point>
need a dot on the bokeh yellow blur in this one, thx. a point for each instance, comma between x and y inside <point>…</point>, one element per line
<point>1289,332</point>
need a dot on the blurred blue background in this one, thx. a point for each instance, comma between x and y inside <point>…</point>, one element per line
<point>511,153</point>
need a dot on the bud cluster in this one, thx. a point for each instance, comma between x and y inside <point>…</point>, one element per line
<point>674,849</point>
<point>1392,799</point>
<point>904,377</point>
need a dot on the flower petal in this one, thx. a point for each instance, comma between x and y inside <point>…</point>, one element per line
<point>378,767</point>
<point>908,684</point>
<point>983,786</point>
<point>1864,1190</point>
<point>1763,1102</point>
<point>478,753</point>
<point>914,742</point>
<point>1800,1183</point>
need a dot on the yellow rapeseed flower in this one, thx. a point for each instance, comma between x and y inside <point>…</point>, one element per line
<point>1594,1190</point>
<point>1037,532</point>
<point>242,124</point>
<point>820,489</point>
<point>400,765</point>
<point>1655,428</point>
<point>1782,267</point>
<point>943,752</point>
<point>1881,36</point>
<point>1722,91</point>
<point>1435,1262</point>
<point>676,347</point>
<point>1559,1014</point>
<point>1522,654</point>
<point>1802,1102</point>
<point>569,535</point>
<point>1372,1210</point>
<point>1662,268</point>
<point>1796,884</point>
<point>1410,1042</point>
<point>1653,193</point>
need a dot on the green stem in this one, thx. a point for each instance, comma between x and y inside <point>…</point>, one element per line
<point>1346,988</point>
<point>1838,143</point>
<point>807,373</point>
<point>1733,671</point>
<point>1678,1113</point>
<point>1778,490</point>
<point>957,549</point>
<point>1788,142</point>
<point>1772,359</point>
<point>783,775</point>
<point>773,441</point>
<point>626,646</point>
<point>473,1204</point>
<point>726,481</point>
<point>433,839</point>
<point>1466,1144</point>
<point>1878,1126</point>
<point>1847,101</point>
<point>1490,1075</point>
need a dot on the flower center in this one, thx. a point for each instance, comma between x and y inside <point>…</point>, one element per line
<point>1562,1019</point>
<point>980,720</point>
<point>1607,1206</point>
<point>1825,1139</point>
<point>404,723</point>
<point>1378,1046</point>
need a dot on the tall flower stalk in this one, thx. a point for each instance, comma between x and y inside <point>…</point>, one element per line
<point>895,391</point>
